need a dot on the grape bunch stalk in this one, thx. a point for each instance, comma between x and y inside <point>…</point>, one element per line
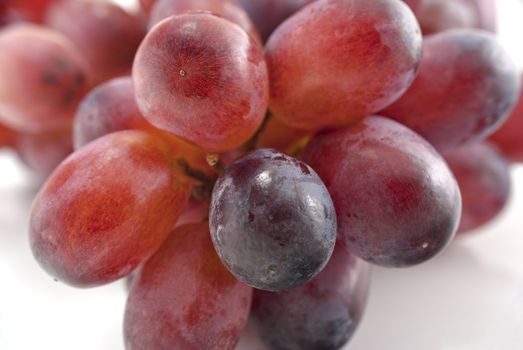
<point>251,160</point>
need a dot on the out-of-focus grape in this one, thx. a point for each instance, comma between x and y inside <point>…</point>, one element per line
<point>107,208</point>
<point>335,62</point>
<point>147,5</point>
<point>203,79</point>
<point>415,5</point>
<point>184,298</point>
<point>396,200</point>
<point>509,138</point>
<point>28,10</point>
<point>272,221</point>
<point>42,153</point>
<point>7,136</point>
<point>108,108</point>
<point>465,88</point>
<point>224,8</point>
<point>106,35</point>
<point>43,77</point>
<point>267,15</point>
<point>484,181</point>
<point>323,314</point>
<point>440,15</point>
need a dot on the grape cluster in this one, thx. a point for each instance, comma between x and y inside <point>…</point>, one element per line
<point>254,158</point>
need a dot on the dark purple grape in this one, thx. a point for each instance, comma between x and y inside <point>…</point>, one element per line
<point>396,200</point>
<point>484,181</point>
<point>323,314</point>
<point>272,221</point>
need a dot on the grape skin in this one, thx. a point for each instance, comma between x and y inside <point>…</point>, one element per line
<point>323,314</point>
<point>484,180</point>
<point>43,78</point>
<point>106,35</point>
<point>108,108</point>
<point>508,137</point>
<point>207,85</point>
<point>107,208</point>
<point>464,89</point>
<point>184,298</point>
<point>222,8</point>
<point>323,80</point>
<point>272,221</point>
<point>397,202</point>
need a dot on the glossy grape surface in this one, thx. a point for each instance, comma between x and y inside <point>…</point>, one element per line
<point>396,200</point>
<point>107,208</point>
<point>105,34</point>
<point>484,180</point>
<point>321,79</point>
<point>464,89</point>
<point>42,153</point>
<point>267,15</point>
<point>323,314</point>
<point>509,137</point>
<point>203,79</point>
<point>223,8</point>
<point>108,108</point>
<point>184,298</point>
<point>272,220</point>
<point>43,78</point>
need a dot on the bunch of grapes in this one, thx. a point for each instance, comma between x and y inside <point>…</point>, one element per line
<point>252,159</point>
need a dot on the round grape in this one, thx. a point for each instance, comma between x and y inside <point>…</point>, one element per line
<point>203,79</point>
<point>396,200</point>
<point>272,221</point>
<point>335,62</point>
<point>464,90</point>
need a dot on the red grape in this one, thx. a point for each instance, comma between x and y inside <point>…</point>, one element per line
<point>269,14</point>
<point>184,298</point>
<point>196,211</point>
<point>107,35</point>
<point>272,221</point>
<point>323,314</point>
<point>509,137</point>
<point>464,89</point>
<point>107,208</point>
<point>29,10</point>
<point>7,136</point>
<point>42,153</point>
<point>43,78</point>
<point>440,15</point>
<point>108,108</point>
<point>223,8</point>
<point>334,62</point>
<point>280,136</point>
<point>396,200</point>
<point>147,5</point>
<point>415,5</point>
<point>111,107</point>
<point>203,79</point>
<point>484,180</point>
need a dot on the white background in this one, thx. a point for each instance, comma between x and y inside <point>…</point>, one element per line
<point>468,298</point>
